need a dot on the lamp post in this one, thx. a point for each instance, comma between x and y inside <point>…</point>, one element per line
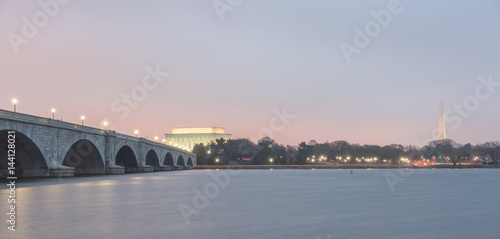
<point>271,160</point>
<point>14,101</point>
<point>53,113</point>
<point>105,123</point>
<point>136,132</point>
<point>83,119</point>
<point>156,138</point>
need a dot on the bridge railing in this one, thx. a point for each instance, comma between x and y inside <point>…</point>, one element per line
<point>47,121</point>
<point>9,115</point>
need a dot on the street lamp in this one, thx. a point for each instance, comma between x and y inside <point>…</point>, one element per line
<point>217,160</point>
<point>14,101</point>
<point>164,140</point>
<point>156,138</point>
<point>53,112</point>
<point>136,132</point>
<point>105,125</point>
<point>271,160</point>
<point>83,119</point>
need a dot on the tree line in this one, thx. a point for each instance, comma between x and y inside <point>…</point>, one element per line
<point>268,151</point>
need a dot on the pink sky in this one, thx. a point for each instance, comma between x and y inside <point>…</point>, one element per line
<point>262,57</point>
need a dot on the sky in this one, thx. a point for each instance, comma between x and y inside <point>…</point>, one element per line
<point>369,72</point>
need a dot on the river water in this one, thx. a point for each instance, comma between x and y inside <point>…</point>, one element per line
<point>330,203</point>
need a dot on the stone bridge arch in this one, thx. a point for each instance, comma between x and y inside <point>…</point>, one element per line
<point>153,160</point>
<point>29,159</point>
<point>180,161</point>
<point>85,158</point>
<point>66,142</point>
<point>169,160</point>
<point>127,157</point>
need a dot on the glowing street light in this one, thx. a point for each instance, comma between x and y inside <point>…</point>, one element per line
<point>156,138</point>
<point>53,112</point>
<point>105,123</point>
<point>14,101</point>
<point>209,152</point>
<point>136,132</point>
<point>83,118</point>
<point>271,160</point>
<point>216,160</point>
<point>163,140</point>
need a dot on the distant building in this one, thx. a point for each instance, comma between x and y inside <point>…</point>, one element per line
<point>187,138</point>
<point>442,121</point>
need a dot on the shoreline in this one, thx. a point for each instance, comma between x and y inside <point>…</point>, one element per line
<point>203,167</point>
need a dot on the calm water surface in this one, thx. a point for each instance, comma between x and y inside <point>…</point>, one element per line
<point>444,203</point>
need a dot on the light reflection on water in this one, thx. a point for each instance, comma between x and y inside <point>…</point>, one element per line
<point>263,204</point>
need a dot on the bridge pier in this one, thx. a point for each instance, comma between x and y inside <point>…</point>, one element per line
<point>179,167</point>
<point>115,169</point>
<point>61,172</point>
<point>165,168</point>
<point>147,169</point>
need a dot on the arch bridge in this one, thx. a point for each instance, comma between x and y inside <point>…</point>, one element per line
<point>52,148</point>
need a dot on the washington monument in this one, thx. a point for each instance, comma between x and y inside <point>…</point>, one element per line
<point>442,121</point>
